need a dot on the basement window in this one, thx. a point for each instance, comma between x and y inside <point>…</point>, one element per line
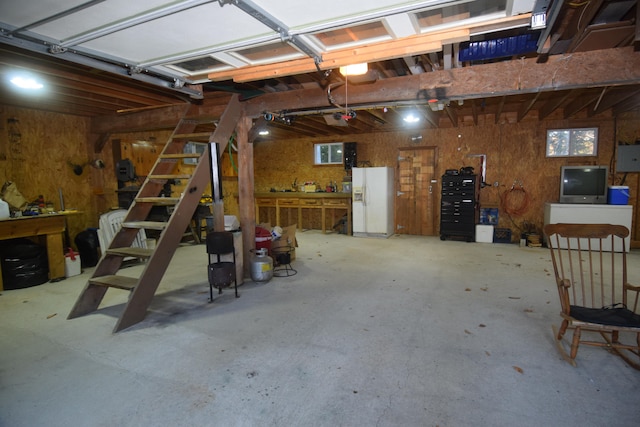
<point>572,142</point>
<point>328,154</point>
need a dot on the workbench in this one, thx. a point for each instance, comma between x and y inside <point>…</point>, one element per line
<point>51,226</point>
<point>296,201</point>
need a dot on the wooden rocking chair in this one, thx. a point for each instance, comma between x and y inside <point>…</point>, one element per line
<point>590,265</point>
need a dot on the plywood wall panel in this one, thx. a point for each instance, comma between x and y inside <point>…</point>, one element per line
<point>39,161</point>
<point>515,154</point>
<point>515,158</point>
<point>280,164</point>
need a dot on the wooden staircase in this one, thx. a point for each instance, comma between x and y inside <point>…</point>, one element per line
<point>171,232</point>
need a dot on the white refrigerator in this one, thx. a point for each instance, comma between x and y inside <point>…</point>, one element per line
<point>373,199</point>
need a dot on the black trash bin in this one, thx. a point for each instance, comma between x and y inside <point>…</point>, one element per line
<point>24,264</point>
<point>88,245</point>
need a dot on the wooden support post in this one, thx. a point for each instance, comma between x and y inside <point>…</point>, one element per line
<point>246,189</point>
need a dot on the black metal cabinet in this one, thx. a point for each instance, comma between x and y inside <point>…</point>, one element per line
<point>459,208</point>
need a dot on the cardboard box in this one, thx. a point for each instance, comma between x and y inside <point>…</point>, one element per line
<point>72,265</point>
<point>288,239</point>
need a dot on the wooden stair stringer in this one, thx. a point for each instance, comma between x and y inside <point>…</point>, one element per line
<point>141,296</point>
<point>92,294</point>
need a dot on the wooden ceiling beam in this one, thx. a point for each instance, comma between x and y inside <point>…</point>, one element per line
<point>611,67</point>
<point>500,108</point>
<point>553,104</point>
<point>474,112</point>
<point>372,120</point>
<point>636,38</point>
<point>317,124</point>
<point>526,107</point>
<point>99,83</point>
<point>50,106</point>
<point>579,104</point>
<point>431,117</point>
<point>379,116</point>
<point>452,114</point>
<point>632,103</point>
<point>611,98</point>
<point>584,19</point>
<point>161,118</point>
<point>296,126</point>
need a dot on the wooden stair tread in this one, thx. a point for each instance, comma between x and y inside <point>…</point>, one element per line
<point>176,176</point>
<point>159,201</point>
<point>114,281</point>
<point>194,135</point>
<point>132,251</point>
<point>147,284</point>
<point>179,156</point>
<point>151,225</point>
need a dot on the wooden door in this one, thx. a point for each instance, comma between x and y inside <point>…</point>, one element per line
<point>416,191</point>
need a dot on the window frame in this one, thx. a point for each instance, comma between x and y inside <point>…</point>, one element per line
<point>572,142</point>
<point>317,153</point>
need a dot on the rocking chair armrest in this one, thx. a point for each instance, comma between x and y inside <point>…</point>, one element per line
<point>630,287</point>
<point>565,283</point>
<point>633,301</point>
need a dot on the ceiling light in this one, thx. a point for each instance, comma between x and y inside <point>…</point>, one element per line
<point>263,132</point>
<point>24,82</point>
<point>411,118</point>
<point>354,69</point>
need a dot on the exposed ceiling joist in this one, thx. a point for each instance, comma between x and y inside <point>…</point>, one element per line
<point>414,49</point>
<point>489,80</point>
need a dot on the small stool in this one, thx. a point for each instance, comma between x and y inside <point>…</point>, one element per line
<point>282,261</point>
<point>220,272</point>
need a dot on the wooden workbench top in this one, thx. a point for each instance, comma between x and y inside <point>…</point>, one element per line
<point>44,215</point>
<point>302,195</point>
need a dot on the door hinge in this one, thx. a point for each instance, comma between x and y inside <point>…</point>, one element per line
<point>399,193</point>
<point>398,227</point>
<point>400,158</point>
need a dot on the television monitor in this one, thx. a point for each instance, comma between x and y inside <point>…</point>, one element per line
<point>584,184</point>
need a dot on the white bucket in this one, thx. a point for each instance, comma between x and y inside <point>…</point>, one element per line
<point>4,210</point>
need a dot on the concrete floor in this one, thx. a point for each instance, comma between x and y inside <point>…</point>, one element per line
<point>409,331</point>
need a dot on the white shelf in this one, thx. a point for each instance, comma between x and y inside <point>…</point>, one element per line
<point>556,213</point>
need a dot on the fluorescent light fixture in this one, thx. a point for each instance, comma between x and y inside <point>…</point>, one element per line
<point>25,82</point>
<point>411,118</point>
<point>354,69</point>
<point>263,132</point>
